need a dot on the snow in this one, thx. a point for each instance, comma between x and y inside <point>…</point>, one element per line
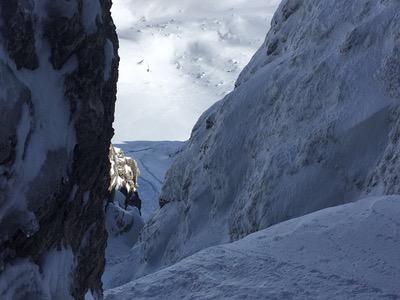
<point>57,269</point>
<point>125,225</point>
<point>154,159</point>
<point>91,10</point>
<point>346,252</point>
<point>23,277</point>
<point>52,281</point>
<point>178,58</point>
<point>123,221</point>
<point>311,124</point>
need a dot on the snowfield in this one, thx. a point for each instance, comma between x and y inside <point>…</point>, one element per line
<point>178,57</point>
<point>346,252</point>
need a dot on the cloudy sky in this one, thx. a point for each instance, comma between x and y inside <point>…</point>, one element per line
<point>178,57</point>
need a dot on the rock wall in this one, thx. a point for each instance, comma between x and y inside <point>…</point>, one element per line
<point>58,74</point>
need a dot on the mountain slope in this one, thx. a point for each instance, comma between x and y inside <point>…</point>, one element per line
<point>346,252</point>
<point>312,123</point>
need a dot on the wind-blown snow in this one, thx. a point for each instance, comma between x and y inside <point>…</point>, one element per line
<point>179,57</point>
<point>346,252</point>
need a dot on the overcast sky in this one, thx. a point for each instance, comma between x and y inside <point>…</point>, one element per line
<point>178,58</point>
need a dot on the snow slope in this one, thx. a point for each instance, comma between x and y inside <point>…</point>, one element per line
<point>313,123</point>
<point>154,159</point>
<point>346,252</point>
<point>178,57</point>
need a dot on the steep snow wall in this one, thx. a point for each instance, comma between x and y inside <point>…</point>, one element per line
<point>58,73</point>
<point>312,123</point>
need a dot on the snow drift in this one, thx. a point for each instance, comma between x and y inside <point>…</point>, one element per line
<point>312,123</point>
<point>346,252</point>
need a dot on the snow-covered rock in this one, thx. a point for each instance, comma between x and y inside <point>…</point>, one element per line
<point>124,220</point>
<point>312,123</point>
<point>123,216</point>
<point>58,73</point>
<point>124,173</point>
<point>124,205</point>
<point>346,252</point>
<point>153,159</point>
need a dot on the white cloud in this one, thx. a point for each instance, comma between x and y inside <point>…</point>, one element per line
<point>178,58</point>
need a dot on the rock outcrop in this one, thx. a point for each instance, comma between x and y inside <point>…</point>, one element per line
<point>123,207</point>
<point>124,178</point>
<point>312,123</point>
<point>58,74</point>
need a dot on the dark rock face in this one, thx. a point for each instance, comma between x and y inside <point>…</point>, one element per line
<point>58,74</point>
<point>18,31</point>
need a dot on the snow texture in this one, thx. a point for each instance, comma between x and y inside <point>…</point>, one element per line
<point>311,124</point>
<point>346,252</point>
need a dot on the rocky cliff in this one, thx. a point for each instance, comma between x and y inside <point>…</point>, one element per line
<point>312,123</point>
<point>58,73</point>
